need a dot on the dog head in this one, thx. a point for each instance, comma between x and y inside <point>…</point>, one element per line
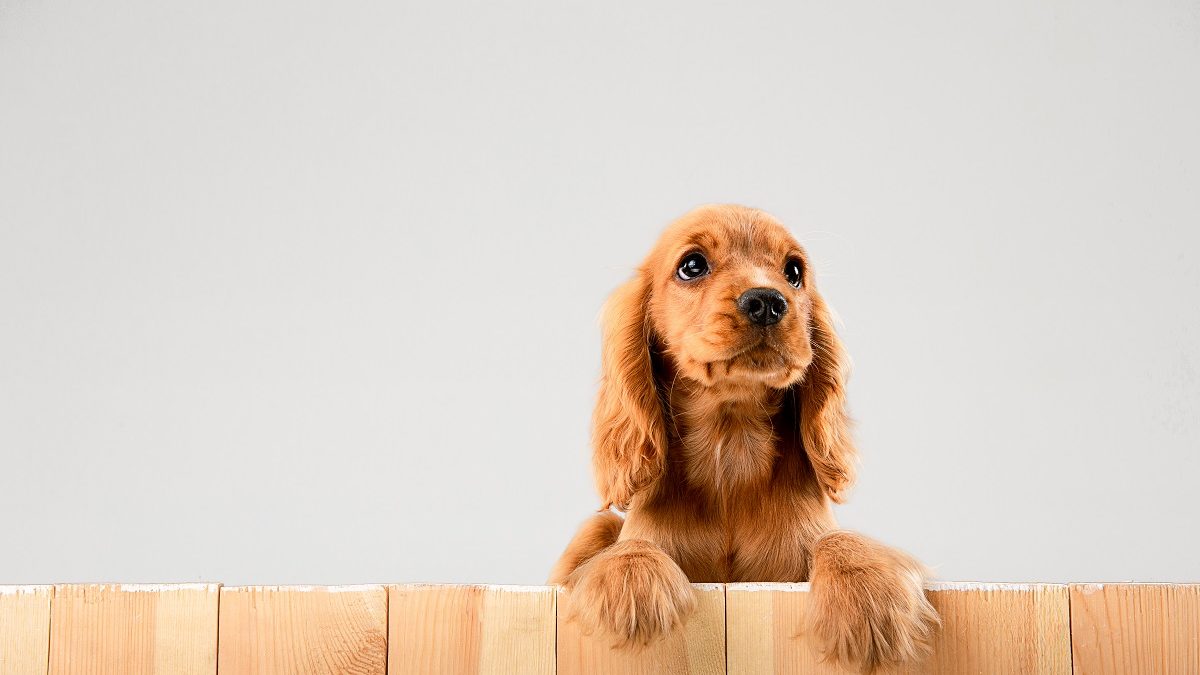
<point>730,300</point>
<point>727,300</point>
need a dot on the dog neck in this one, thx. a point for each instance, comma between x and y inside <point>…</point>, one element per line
<point>726,435</point>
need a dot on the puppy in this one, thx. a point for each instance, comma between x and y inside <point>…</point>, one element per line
<point>721,431</point>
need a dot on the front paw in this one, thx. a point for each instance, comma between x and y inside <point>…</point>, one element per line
<point>868,606</point>
<point>632,591</point>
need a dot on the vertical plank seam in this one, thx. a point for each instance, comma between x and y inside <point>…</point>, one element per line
<point>387,629</point>
<point>725,612</point>
<point>1071,626</point>
<point>217,663</point>
<point>49,626</point>
<point>554,606</point>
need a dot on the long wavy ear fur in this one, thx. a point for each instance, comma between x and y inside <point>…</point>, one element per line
<point>821,396</point>
<point>628,426</point>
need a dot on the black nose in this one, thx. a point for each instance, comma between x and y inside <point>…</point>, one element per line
<point>763,306</point>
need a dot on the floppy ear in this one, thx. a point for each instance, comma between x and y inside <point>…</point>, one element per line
<point>628,426</point>
<point>821,397</point>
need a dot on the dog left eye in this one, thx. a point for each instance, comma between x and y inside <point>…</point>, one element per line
<point>794,272</point>
<point>693,266</point>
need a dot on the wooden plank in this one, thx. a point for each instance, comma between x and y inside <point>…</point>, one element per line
<point>24,629</point>
<point>126,629</point>
<point>1002,628</point>
<point>762,623</point>
<point>697,649</point>
<point>471,630</point>
<point>303,630</point>
<point>999,629</point>
<point>1134,629</point>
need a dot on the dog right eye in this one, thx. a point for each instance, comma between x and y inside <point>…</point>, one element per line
<point>693,266</point>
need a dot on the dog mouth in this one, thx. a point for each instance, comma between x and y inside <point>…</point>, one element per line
<point>751,358</point>
<point>760,358</point>
<point>759,354</point>
<point>759,361</point>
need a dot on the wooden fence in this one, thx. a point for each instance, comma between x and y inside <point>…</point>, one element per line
<point>202,629</point>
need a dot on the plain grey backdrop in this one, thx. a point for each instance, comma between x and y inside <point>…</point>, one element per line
<point>308,291</point>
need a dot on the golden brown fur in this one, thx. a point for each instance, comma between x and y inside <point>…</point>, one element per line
<point>725,441</point>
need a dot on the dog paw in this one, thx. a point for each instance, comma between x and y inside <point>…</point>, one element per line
<point>633,592</point>
<point>868,609</point>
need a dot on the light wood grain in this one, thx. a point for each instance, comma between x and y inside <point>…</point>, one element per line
<point>24,629</point>
<point>697,649</point>
<point>123,629</point>
<point>1018,629</point>
<point>997,629</point>
<point>471,630</point>
<point>303,630</point>
<point>763,624</point>
<point>1002,628</point>
<point>1135,629</point>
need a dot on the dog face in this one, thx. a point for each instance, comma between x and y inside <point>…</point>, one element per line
<point>729,298</point>
<point>726,300</point>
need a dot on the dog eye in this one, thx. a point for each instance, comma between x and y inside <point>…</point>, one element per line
<point>794,272</point>
<point>693,266</point>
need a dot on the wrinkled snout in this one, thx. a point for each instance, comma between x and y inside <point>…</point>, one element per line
<point>763,306</point>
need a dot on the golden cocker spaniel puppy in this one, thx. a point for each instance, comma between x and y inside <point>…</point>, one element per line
<point>721,431</point>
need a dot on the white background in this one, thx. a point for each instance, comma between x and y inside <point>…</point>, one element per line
<point>307,292</point>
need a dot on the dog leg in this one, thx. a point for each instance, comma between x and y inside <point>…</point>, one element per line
<point>596,534</point>
<point>868,607</point>
<point>631,590</point>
